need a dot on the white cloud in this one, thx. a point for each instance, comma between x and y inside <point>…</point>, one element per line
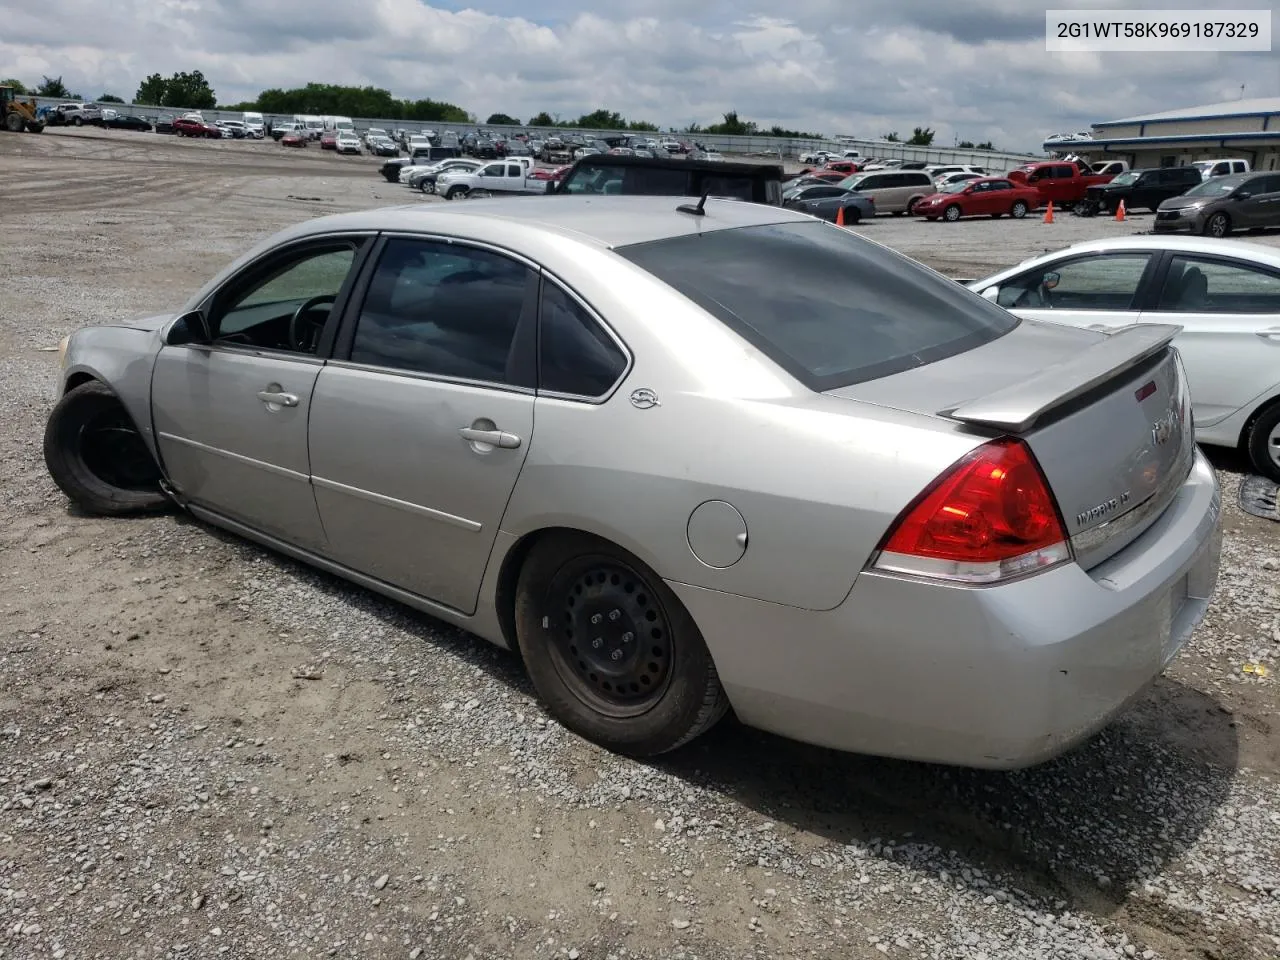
<point>976,70</point>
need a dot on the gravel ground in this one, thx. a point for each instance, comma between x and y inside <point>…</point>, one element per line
<point>207,750</point>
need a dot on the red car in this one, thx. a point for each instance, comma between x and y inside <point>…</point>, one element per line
<point>985,197</point>
<point>190,127</point>
<point>557,174</point>
<point>294,138</point>
<point>329,140</point>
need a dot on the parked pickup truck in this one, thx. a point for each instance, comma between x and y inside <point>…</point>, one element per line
<point>1062,183</point>
<point>511,175</point>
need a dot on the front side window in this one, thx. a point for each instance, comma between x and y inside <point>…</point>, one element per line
<point>259,310</point>
<point>1089,283</point>
<point>575,355</point>
<point>827,306</point>
<point>1211,286</point>
<point>442,309</point>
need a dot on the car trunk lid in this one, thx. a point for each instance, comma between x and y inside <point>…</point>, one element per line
<point>1105,416</point>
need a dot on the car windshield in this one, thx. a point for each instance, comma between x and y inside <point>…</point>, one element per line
<point>1216,187</point>
<point>957,187</point>
<point>1125,179</point>
<point>831,308</point>
<point>851,183</point>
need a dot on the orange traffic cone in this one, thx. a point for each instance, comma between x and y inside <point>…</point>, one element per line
<point>1120,212</point>
<point>840,217</point>
<point>1048,213</point>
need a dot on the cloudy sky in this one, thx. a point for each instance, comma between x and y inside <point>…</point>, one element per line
<point>970,69</point>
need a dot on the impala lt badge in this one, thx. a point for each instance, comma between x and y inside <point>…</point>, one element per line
<point>1106,508</point>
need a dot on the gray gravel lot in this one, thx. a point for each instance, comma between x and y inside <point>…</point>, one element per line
<point>207,750</point>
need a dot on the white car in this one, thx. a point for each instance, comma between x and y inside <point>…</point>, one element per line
<point>348,142</point>
<point>510,175</point>
<point>1068,137</point>
<point>233,128</point>
<point>1225,294</point>
<point>960,176</point>
<point>417,177</point>
<point>374,133</point>
<point>712,155</point>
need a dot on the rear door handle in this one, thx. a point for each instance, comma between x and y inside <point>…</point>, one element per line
<point>280,399</point>
<point>495,438</point>
<point>1271,333</point>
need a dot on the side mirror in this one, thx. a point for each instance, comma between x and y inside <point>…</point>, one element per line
<point>991,293</point>
<point>1243,194</point>
<point>191,327</point>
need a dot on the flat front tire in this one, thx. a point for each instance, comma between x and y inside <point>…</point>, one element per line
<point>611,651</point>
<point>97,457</point>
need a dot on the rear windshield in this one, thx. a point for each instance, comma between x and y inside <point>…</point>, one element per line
<point>829,307</point>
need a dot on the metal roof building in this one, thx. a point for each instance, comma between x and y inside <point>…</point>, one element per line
<point>1237,128</point>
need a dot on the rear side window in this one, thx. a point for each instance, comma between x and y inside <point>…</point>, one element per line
<point>575,355</point>
<point>829,307</point>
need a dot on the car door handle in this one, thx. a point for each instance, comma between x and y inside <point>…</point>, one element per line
<point>281,399</point>
<point>1271,333</point>
<point>496,438</point>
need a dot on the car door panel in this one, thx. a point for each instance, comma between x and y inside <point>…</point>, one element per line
<point>1230,339</point>
<point>420,425</point>
<point>231,415</point>
<point>226,448</point>
<point>1100,292</point>
<point>404,495</point>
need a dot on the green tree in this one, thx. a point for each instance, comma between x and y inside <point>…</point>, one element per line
<point>601,119</point>
<point>502,120</point>
<point>892,137</point>
<point>985,145</point>
<point>542,119</point>
<point>644,125</point>
<point>19,88</point>
<point>921,137</point>
<point>151,91</point>
<point>110,98</point>
<point>965,144</point>
<point>53,87</point>
<point>732,126</point>
<point>189,90</point>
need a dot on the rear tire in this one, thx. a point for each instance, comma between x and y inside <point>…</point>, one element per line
<point>1263,443</point>
<point>13,122</point>
<point>97,457</point>
<point>578,600</point>
<point>1019,209</point>
<point>35,127</point>
<point>76,121</point>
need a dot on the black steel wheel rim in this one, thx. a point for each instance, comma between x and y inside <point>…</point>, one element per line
<point>114,452</point>
<point>611,637</point>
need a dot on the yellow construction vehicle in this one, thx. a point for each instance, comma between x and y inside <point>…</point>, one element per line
<point>17,115</point>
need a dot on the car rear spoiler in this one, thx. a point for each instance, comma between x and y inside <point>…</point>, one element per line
<point>1017,407</point>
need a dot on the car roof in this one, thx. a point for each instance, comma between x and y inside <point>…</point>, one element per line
<point>602,221</point>
<point>1260,253</point>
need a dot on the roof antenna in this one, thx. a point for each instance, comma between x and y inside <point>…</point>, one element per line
<point>699,210</point>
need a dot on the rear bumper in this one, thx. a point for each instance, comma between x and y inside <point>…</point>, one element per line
<point>998,677</point>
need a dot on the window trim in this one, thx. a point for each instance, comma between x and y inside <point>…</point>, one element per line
<point>1223,259</point>
<point>363,240</point>
<point>545,276</point>
<point>526,326</point>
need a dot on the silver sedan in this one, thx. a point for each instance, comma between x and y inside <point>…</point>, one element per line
<point>683,457</point>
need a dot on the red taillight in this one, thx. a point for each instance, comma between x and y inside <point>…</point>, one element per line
<point>988,518</point>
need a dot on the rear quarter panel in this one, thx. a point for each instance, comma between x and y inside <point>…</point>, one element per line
<point>817,479</point>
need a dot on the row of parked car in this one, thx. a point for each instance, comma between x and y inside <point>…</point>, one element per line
<point>1213,196</point>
